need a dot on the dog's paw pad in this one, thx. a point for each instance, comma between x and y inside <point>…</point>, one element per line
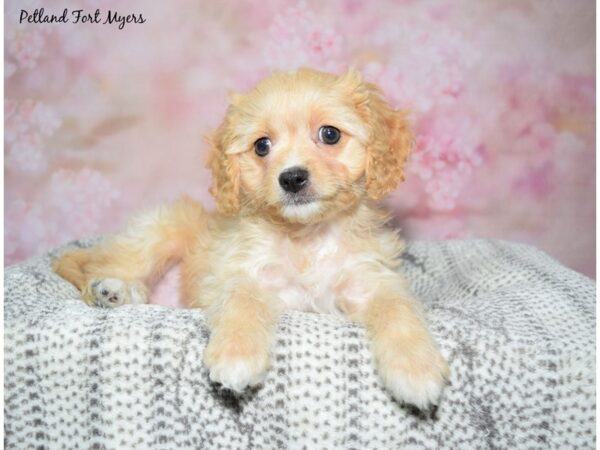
<point>111,292</point>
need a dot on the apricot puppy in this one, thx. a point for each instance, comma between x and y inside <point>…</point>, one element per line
<point>297,165</point>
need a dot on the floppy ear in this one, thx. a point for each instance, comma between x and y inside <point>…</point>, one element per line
<point>390,138</point>
<point>226,175</point>
<point>387,154</point>
<point>390,146</point>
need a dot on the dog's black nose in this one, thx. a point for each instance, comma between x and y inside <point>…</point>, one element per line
<point>294,179</point>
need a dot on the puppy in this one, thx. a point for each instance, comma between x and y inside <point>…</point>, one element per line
<point>297,165</point>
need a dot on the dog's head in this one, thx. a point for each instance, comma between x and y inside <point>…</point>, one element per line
<point>305,146</point>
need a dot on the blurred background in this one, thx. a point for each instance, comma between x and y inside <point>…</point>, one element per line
<point>100,122</point>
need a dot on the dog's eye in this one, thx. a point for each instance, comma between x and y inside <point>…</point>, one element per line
<point>262,146</point>
<point>329,135</point>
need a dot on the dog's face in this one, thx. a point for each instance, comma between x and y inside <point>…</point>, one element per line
<point>306,146</point>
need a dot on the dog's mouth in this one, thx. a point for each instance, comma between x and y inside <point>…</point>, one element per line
<point>299,199</point>
<point>300,207</point>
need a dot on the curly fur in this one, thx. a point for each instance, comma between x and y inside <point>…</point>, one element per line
<point>325,248</point>
<point>226,175</point>
<point>389,152</point>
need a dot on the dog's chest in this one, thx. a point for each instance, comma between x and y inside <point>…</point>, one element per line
<point>309,274</point>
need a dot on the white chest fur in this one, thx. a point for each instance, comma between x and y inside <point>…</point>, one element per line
<point>308,274</point>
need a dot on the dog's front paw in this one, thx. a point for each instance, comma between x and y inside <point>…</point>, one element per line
<point>235,362</point>
<point>413,374</point>
<point>112,292</point>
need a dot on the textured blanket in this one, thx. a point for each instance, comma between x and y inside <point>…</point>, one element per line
<point>518,330</point>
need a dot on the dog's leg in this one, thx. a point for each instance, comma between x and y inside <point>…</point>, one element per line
<point>120,269</point>
<point>408,359</point>
<point>242,331</point>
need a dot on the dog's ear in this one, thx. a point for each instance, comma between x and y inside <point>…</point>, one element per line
<point>388,152</point>
<point>390,137</point>
<point>226,175</point>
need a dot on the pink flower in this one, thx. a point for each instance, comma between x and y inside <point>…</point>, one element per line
<point>82,198</point>
<point>28,126</point>
<point>26,47</point>
<point>299,37</point>
<point>538,181</point>
<point>447,152</point>
<point>28,230</point>
<point>428,66</point>
<point>25,156</point>
<point>74,204</point>
<point>45,118</point>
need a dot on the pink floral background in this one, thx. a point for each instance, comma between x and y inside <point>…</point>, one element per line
<point>100,122</point>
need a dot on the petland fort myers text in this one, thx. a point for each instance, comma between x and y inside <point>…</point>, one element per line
<point>81,16</point>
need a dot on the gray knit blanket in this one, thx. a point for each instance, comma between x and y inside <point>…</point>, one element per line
<point>517,328</point>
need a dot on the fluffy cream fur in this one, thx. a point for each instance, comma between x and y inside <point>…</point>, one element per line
<point>262,253</point>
